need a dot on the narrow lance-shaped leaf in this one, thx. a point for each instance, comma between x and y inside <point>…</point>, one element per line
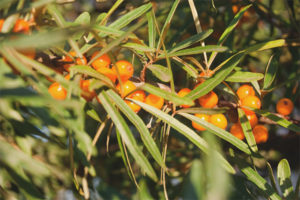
<point>228,31</point>
<point>279,120</point>
<point>271,70</point>
<point>167,23</point>
<point>255,178</point>
<point>151,29</point>
<point>265,45</point>
<point>226,67</point>
<point>192,40</point>
<point>139,124</point>
<point>247,130</point>
<point>284,179</point>
<point>196,50</point>
<point>126,135</point>
<point>161,72</point>
<point>138,47</point>
<point>184,130</point>
<point>219,132</point>
<point>167,95</point>
<point>208,111</point>
<point>129,17</point>
<point>241,77</point>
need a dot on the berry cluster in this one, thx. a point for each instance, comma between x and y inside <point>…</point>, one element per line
<point>104,66</point>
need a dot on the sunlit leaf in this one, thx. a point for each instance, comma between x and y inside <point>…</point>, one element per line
<point>161,72</point>
<point>284,179</point>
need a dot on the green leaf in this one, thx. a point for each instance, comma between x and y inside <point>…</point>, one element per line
<point>20,159</point>
<point>280,121</point>
<point>228,31</point>
<point>111,11</point>
<point>219,132</point>
<point>208,85</point>
<point>208,111</point>
<point>143,192</point>
<point>255,178</point>
<point>126,135</point>
<point>83,18</point>
<point>138,47</point>
<point>265,45</point>
<point>271,176</point>
<point>191,40</point>
<point>167,95</point>
<point>6,3</point>
<point>184,130</point>
<point>151,29</point>
<point>256,86</point>
<point>94,115</point>
<point>233,24</point>
<point>167,23</point>
<point>271,71</point>
<point>284,179</point>
<point>42,39</point>
<point>129,17</point>
<point>161,72</point>
<point>242,77</point>
<point>247,130</point>
<point>139,124</point>
<point>195,50</point>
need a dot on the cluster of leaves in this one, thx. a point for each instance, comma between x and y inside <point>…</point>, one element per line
<point>48,145</point>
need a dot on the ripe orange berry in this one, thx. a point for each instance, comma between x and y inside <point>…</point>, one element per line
<point>260,133</point>
<point>1,24</point>
<point>182,93</point>
<point>219,120</point>
<point>21,26</point>
<point>102,61</point>
<point>125,69</point>
<point>209,100</point>
<point>78,61</point>
<point>252,102</point>
<point>201,116</point>
<point>284,106</point>
<point>128,87</point>
<point>139,96</point>
<point>87,94</point>
<point>57,91</point>
<point>245,90</point>
<point>237,131</point>
<point>252,118</point>
<point>109,73</point>
<point>154,101</point>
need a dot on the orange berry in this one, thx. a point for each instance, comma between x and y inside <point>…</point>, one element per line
<point>209,100</point>
<point>219,120</point>
<point>139,96</point>
<point>245,90</point>
<point>21,26</point>
<point>260,133</point>
<point>87,94</point>
<point>102,61</point>
<point>154,101</point>
<point>109,73</point>
<point>284,106</point>
<point>237,131</point>
<point>1,24</point>
<point>201,116</point>
<point>78,61</point>
<point>252,118</point>
<point>182,93</point>
<point>125,69</point>
<point>57,91</point>
<point>252,102</point>
<point>128,87</point>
